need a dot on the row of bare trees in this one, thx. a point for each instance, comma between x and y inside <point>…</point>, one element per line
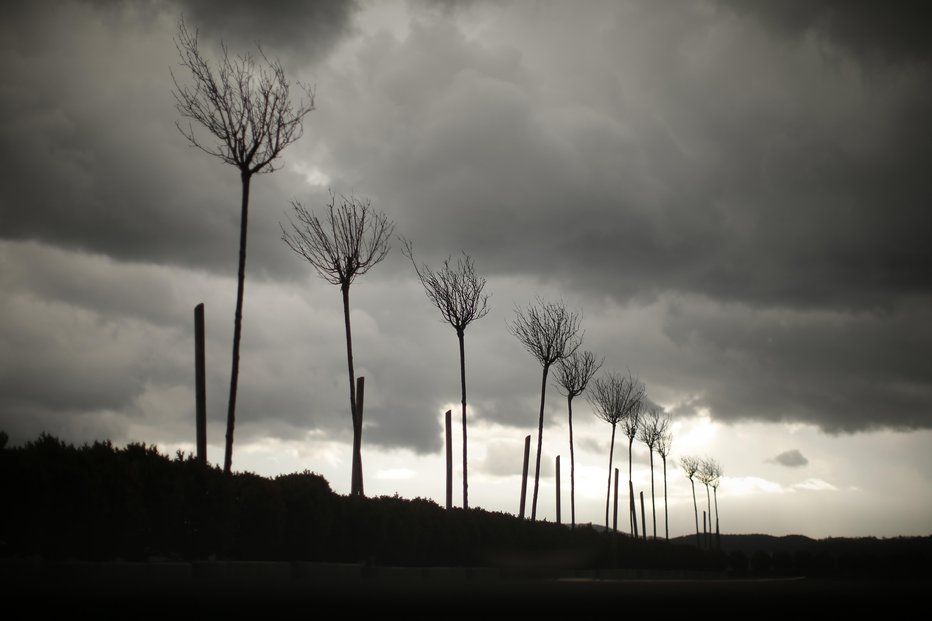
<point>709,472</point>
<point>244,106</point>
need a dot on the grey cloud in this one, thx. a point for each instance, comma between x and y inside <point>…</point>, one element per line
<point>791,459</point>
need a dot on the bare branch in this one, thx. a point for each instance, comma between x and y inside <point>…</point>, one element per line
<point>352,238</point>
<point>690,466</point>
<point>547,330</point>
<point>653,427</point>
<point>665,443</point>
<point>575,371</point>
<point>245,106</point>
<point>614,397</point>
<point>456,290</point>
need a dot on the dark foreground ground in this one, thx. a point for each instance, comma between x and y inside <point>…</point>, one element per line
<point>125,590</point>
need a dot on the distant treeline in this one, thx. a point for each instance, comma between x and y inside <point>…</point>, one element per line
<point>101,502</point>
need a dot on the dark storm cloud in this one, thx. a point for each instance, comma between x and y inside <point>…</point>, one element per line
<point>888,31</point>
<point>292,26</point>
<point>791,459</point>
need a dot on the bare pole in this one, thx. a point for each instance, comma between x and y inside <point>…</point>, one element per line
<point>200,392</point>
<point>527,457</point>
<point>558,488</point>
<point>449,428</point>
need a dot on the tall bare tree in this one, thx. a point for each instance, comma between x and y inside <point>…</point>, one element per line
<point>573,375</point>
<point>351,239</point>
<point>245,106</point>
<point>607,397</point>
<point>653,428</point>
<point>549,332</point>
<point>707,474</point>
<point>457,292</point>
<point>631,425</point>
<point>663,449</point>
<point>690,467</point>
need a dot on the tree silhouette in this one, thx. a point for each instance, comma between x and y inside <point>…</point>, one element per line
<point>630,425</point>
<point>707,475</point>
<point>549,332</point>
<point>653,428</point>
<point>608,396</point>
<point>245,107</point>
<point>573,375</point>
<point>690,467</point>
<point>352,238</point>
<point>710,474</point>
<point>456,291</point>
<point>663,449</point>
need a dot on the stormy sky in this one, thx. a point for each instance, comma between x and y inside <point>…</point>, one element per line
<point>734,195</point>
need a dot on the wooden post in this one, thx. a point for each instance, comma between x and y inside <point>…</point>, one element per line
<point>558,489</point>
<point>449,423</point>
<point>643,521</point>
<point>357,443</point>
<point>200,390</point>
<point>527,457</point>
<point>615,514</point>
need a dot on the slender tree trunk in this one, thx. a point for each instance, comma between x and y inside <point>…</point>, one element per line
<point>615,504</point>
<point>558,488</point>
<point>569,403</point>
<point>356,475</point>
<point>696,510</point>
<point>237,321</point>
<point>653,503</point>
<point>709,499</point>
<point>608,490</point>
<point>718,535</point>
<point>357,433</point>
<point>632,509</point>
<point>527,456</point>
<point>540,440</point>
<point>643,517</point>
<point>666,507</point>
<point>459,334</point>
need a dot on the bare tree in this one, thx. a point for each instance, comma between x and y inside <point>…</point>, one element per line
<point>573,375</point>
<point>707,474</point>
<point>653,428</point>
<point>663,449</point>
<point>351,239</point>
<point>712,471</point>
<point>246,108</point>
<point>607,398</point>
<point>549,332</point>
<point>690,467</point>
<point>630,425</point>
<point>456,291</point>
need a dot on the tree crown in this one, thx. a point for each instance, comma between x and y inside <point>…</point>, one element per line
<point>245,105</point>
<point>653,427</point>
<point>547,330</point>
<point>575,371</point>
<point>352,238</point>
<point>614,397</point>
<point>456,290</point>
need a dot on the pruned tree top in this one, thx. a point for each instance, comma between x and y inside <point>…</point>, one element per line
<point>575,371</point>
<point>244,104</point>
<point>653,427</point>
<point>634,408</point>
<point>351,239</point>
<point>455,289</point>
<point>613,397</point>
<point>547,330</point>
<point>664,444</point>
<point>710,472</point>
<point>690,465</point>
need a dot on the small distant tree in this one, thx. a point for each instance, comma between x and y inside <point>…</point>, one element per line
<point>457,292</point>
<point>351,239</point>
<point>663,449</point>
<point>549,332</point>
<point>607,397</point>
<point>652,430</point>
<point>706,475</point>
<point>573,375</point>
<point>246,107</point>
<point>690,467</point>
<point>631,424</point>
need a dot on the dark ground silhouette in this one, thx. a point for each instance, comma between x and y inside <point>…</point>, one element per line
<point>101,521</point>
